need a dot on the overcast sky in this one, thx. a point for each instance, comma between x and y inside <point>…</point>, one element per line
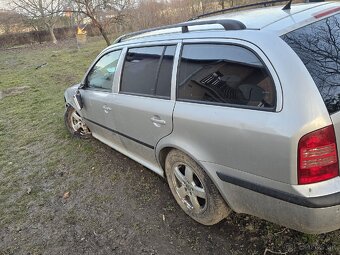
<point>4,4</point>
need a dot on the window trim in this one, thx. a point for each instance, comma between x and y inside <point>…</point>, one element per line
<point>144,95</point>
<point>161,44</point>
<point>225,42</point>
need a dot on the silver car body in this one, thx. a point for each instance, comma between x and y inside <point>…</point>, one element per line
<point>250,155</point>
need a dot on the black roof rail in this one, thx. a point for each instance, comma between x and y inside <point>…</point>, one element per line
<point>227,24</point>
<point>240,7</point>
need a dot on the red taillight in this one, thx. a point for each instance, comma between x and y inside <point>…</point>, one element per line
<point>317,156</point>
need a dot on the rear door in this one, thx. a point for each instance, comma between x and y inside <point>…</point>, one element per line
<point>143,105</point>
<point>225,112</point>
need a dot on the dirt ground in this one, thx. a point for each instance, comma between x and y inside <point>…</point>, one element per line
<point>61,195</point>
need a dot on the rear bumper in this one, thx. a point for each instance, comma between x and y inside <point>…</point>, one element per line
<point>313,215</point>
<point>309,202</point>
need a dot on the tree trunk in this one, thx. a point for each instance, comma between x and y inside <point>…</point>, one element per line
<point>202,4</point>
<point>51,30</point>
<point>101,30</point>
<point>104,34</point>
<point>222,4</point>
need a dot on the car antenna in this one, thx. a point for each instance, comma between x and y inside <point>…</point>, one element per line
<point>288,5</point>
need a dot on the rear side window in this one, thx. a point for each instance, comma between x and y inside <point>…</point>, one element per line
<point>318,46</point>
<point>147,71</point>
<point>224,74</point>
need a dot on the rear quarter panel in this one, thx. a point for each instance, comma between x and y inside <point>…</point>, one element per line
<point>260,143</point>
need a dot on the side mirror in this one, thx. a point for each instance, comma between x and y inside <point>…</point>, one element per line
<point>78,101</point>
<point>81,85</point>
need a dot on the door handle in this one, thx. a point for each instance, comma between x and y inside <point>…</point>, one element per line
<point>157,121</point>
<point>106,108</point>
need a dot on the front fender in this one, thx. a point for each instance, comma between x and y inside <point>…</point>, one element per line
<point>68,95</point>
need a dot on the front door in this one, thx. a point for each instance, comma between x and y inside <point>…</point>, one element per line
<point>96,92</point>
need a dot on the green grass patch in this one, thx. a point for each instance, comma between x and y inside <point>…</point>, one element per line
<point>34,145</point>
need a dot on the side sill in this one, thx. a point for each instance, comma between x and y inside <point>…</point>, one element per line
<point>148,165</point>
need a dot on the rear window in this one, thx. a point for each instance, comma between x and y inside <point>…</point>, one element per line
<point>318,46</point>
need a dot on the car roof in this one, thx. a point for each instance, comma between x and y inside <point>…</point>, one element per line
<point>272,19</point>
<point>260,18</point>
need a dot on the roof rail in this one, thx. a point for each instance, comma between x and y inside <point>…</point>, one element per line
<point>227,24</point>
<point>238,8</point>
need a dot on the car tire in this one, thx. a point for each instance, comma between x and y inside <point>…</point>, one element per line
<point>74,123</point>
<point>193,189</point>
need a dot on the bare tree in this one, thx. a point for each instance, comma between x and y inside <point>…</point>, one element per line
<point>103,13</point>
<point>150,13</point>
<point>45,12</point>
<point>10,21</point>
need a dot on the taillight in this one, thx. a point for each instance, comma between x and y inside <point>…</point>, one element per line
<point>317,156</point>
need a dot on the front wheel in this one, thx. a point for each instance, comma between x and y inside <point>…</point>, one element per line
<point>193,189</point>
<point>75,124</point>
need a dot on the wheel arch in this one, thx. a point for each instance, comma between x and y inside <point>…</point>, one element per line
<point>163,150</point>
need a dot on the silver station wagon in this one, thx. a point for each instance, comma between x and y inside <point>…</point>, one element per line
<point>238,111</point>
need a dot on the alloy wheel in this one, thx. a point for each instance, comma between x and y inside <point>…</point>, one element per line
<point>189,188</point>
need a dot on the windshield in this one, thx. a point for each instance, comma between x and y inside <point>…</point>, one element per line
<point>318,46</point>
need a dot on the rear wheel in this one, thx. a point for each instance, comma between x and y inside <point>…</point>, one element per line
<point>75,124</point>
<point>193,189</point>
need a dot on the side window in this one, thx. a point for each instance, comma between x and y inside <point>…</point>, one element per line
<point>224,74</point>
<point>147,71</point>
<point>102,73</point>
